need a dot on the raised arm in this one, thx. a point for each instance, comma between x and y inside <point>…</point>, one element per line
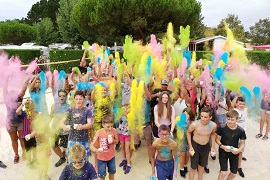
<point>83,60</point>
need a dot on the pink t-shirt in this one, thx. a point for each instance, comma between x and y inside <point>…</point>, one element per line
<point>108,149</point>
<point>193,97</point>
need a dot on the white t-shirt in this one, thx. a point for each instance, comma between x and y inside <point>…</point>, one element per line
<point>221,110</point>
<point>242,120</point>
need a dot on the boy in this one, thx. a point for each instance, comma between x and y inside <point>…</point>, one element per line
<point>106,137</point>
<point>199,146</point>
<point>166,154</point>
<point>240,106</point>
<point>80,169</point>
<point>228,136</point>
<point>79,119</point>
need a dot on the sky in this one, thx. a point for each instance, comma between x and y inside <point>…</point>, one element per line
<point>248,11</point>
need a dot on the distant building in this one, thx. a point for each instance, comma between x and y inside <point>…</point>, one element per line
<point>214,42</point>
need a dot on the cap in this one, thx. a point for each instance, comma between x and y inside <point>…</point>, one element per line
<point>165,81</point>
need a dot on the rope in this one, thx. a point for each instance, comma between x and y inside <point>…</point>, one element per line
<point>59,62</point>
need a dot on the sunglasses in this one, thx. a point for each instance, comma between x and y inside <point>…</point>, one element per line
<point>62,96</point>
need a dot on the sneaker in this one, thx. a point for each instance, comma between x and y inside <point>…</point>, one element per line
<point>2,165</point>
<point>123,163</point>
<point>206,169</point>
<point>152,178</point>
<point>60,162</point>
<point>240,172</point>
<point>182,173</point>
<point>128,168</point>
<point>16,159</point>
<point>186,169</point>
<point>213,157</point>
<point>244,159</point>
<point>117,146</point>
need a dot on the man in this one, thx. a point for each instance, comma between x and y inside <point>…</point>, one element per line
<point>199,146</point>
<point>165,148</point>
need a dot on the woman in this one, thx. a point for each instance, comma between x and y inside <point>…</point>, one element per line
<point>164,113</point>
<point>37,93</point>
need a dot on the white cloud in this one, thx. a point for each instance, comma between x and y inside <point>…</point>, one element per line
<point>15,9</point>
<point>248,11</point>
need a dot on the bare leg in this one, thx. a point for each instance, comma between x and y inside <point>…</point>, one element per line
<point>268,124</point>
<point>240,159</point>
<point>192,174</point>
<point>222,175</point>
<point>182,160</point>
<point>14,141</point>
<point>231,176</point>
<point>58,152</point>
<point>21,140</point>
<point>123,149</point>
<point>111,176</point>
<point>263,117</point>
<point>200,172</point>
<point>128,152</point>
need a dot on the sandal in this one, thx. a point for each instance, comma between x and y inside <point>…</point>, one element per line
<point>258,136</point>
<point>265,137</point>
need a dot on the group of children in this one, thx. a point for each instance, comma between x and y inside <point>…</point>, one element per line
<point>172,132</point>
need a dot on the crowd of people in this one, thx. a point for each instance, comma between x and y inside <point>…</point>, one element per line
<point>183,114</point>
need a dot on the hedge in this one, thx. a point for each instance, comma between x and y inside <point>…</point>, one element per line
<point>26,55</point>
<point>65,55</point>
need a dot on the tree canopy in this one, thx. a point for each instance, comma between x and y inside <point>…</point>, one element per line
<point>234,24</point>
<point>260,32</point>
<point>14,32</point>
<point>69,33</point>
<point>45,32</point>
<point>43,9</point>
<point>109,21</point>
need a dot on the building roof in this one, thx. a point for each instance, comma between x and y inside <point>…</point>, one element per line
<point>214,37</point>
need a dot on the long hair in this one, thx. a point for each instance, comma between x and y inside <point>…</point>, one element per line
<point>167,105</point>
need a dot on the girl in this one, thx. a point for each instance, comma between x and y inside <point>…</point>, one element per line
<point>125,141</point>
<point>27,117</point>
<point>164,113</point>
<point>184,155</point>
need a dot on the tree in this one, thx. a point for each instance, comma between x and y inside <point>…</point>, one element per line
<point>14,32</point>
<point>260,32</point>
<point>45,32</point>
<point>69,33</point>
<point>234,24</point>
<point>41,10</point>
<point>112,20</point>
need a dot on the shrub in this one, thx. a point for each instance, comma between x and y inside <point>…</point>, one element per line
<point>26,55</point>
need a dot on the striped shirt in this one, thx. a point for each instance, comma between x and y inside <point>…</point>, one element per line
<point>26,124</point>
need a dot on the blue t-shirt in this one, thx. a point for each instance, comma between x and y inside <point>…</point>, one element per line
<point>40,101</point>
<point>87,172</point>
<point>78,116</point>
<point>147,110</point>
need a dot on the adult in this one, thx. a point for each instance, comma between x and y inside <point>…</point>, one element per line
<point>15,125</point>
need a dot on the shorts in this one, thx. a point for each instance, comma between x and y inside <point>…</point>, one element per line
<point>15,127</point>
<point>184,146</point>
<point>223,161</point>
<point>200,156</point>
<point>165,169</point>
<point>148,134</point>
<point>30,144</point>
<point>222,118</point>
<point>61,141</point>
<point>85,144</point>
<point>102,167</point>
<point>124,138</point>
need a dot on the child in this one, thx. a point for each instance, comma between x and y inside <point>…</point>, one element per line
<point>184,157</point>
<point>27,117</point>
<point>79,119</point>
<point>228,136</point>
<point>106,138</point>
<point>239,104</point>
<point>79,169</point>
<point>166,153</point>
<point>199,142</point>
<point>125,141</point>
